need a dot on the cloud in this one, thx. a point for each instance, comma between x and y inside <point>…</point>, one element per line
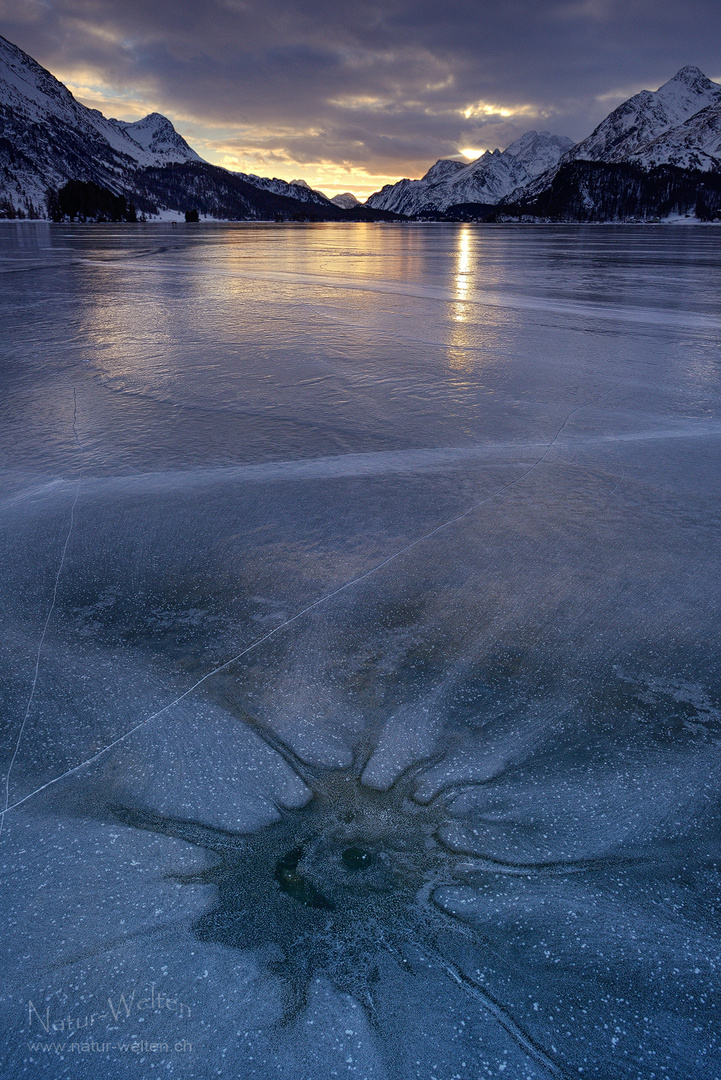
<point>381,89</point>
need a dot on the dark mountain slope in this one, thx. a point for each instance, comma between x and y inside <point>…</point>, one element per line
<point>602,191</point>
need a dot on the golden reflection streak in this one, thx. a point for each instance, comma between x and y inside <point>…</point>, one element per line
<point>468,324</point>
<point>462,272</point>
<point>458,341</point>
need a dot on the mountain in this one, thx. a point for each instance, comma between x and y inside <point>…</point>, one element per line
<point>646,116</point>
<point>649,129</point>
<point>218,193</point>
<point>49,140</point>
<point>411,196</point>
<point>657,154</point>
<point>538,152</point>
<point>488,179</point>
<point>347,200</point>
<point>695,144</point>
<point>32,98</point>
<point>615,191</point>
<point>158,138</point>
<point>292,189</point>
<point>47,137</point>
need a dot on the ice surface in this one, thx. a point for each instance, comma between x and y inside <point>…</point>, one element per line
<point>360,656</point>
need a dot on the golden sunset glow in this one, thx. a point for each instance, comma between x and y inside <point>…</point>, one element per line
<point>256,150</point>
<point>484,109</point>
<point>267,150</point>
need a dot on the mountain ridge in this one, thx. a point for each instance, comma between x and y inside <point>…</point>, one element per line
<point>665,144</point>
<point>49,139</point>
<point>487,179</point>
<point>631,129</point>
<point>662,143</point>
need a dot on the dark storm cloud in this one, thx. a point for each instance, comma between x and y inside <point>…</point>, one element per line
<point>385,86</point>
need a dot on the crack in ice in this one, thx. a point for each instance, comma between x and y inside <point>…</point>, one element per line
<point>287,622</point>
<point>37,660</point>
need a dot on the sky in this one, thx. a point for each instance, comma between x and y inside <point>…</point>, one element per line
<point>351,96</point>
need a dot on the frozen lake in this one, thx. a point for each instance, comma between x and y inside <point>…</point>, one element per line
<point>360,653</point>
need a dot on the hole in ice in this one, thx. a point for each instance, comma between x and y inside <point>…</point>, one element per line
<point>355,858</point>
<point>344,888</point>
<point>294,882</point>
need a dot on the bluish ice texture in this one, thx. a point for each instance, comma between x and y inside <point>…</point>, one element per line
<point>361,701</point>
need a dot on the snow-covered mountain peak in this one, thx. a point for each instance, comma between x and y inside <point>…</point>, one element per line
<point>539,150</point>
<point>487,179</point>
<point>31,95</point>
<point>153,120</point>
<point>157,136</point>
<point>346,200</point>
<point>695,144</point>
<point>692,77</point>
<point>526,141</point>
<point>687,92</point>
<point>646,116</point>
<point>152,126</point>
<point>442,170</point>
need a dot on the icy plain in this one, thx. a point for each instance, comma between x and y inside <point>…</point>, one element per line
<point>361,700</point>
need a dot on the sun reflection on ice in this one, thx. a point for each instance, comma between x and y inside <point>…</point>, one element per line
<point>463,273</point>
<point>474,328</point>
<point>460,322</point>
